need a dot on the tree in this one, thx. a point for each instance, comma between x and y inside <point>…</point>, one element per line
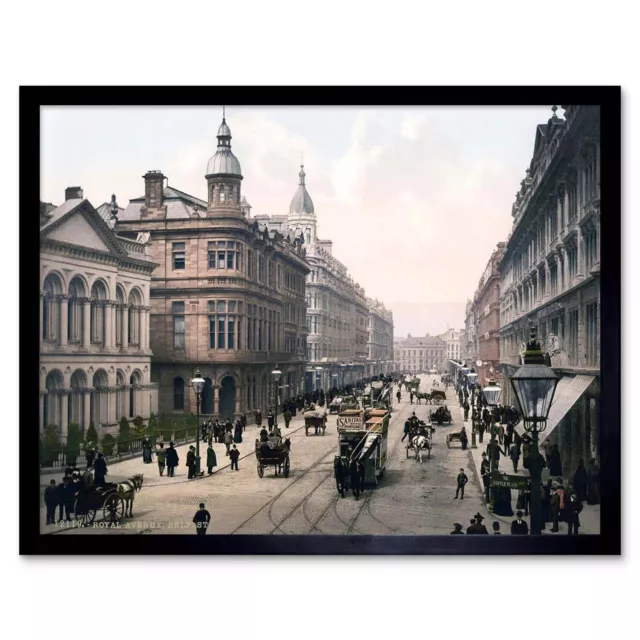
<point>107,444</point>
<point>138,421</point>
<point>50,446</point>
<point>91,437</point>
<point>152,428</point>
<point>124,435</point>
<point>166,428</point>
<point>74,441</point>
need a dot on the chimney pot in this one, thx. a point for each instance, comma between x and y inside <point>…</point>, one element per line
<point>72,193</point>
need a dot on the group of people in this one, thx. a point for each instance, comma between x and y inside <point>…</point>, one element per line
<point>518,526</point>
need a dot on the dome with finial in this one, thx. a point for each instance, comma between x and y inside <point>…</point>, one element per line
<point>301,202</point>
<point>224,162</point>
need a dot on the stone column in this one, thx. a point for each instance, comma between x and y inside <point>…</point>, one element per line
<point>547,280</point>
<point>41,401</point>
<point>86,413</point>
<point>62,300</point>
<point>86,323</point>
<point>142,331</point>
<point>112,410</point>
<point>42,303</point>
<point>579,265</point>
<point>216,399</point>
<point>63,399</point>
<point>125,325</point>
<point>108,325</point>
<point>114,321</point>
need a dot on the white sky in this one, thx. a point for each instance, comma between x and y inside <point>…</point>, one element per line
<point>414,199</point>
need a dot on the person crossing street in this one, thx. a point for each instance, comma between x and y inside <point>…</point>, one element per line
<point>461,480</point>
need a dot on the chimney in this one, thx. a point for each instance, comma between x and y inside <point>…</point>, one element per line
<point>153,189</point>
<point>73,193</point>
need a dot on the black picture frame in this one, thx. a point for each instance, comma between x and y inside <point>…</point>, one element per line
<point>607,543</point>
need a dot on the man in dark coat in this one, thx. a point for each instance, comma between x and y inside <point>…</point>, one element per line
<point>60,496</point>
<point>574,507</point>
<point>51,501</point>
<point>496,528</point>
<point>478,527</point>
<point>593,482</point>
<point>234,455</point>
<point>457,529</point>
<point>480,426</point>
<point>270,420</point>
<point>463,438</point>
<point>191,462</point>
<point>461,480</point>
<point>264,435</point>
<point>100,470</point>
<point>470,528</point>
<point>519,526</point>
<point>485,473</point>
<point>202,520</point>
<point>354,477</point>
<point>465,408</point>
<point>407,427</point>
<point>211,459</point>
<point>580,481</point>
<point>172,460</point>
<point>90,455</point>
<point>68,498</point>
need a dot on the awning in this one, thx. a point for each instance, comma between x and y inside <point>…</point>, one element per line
<point>567,393</point>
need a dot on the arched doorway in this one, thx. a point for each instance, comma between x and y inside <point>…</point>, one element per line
<point>227,397</point>
<point>206,400</point>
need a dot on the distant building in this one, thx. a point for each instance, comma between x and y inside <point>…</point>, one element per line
<point>422,354</point>
<point>95,356</point>
<point>550,276</point>
<point>469,335</point>
<point>452,339</point>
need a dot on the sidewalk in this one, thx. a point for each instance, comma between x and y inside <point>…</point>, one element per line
<point>589,518</point>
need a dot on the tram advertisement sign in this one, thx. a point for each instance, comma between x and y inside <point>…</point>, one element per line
<point>350,421</point>
<point>508,482</point>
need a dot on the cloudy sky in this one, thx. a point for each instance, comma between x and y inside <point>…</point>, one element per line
<point>414,199</point>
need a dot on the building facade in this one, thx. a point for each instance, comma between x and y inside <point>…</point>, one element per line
<point>422,354</point>
<point>95,355</point>
<point>228,295</point>
<point>348,333</point>
<point>487,311</point>
<point>452,339</point>
<point>550,275</point>
<point>469,335</point>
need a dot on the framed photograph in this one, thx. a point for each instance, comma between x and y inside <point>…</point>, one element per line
<point>320,320</point>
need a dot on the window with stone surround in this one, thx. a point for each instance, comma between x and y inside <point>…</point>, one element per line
<point>225,255</point>
<point>177,309</point>
<point>178,394</point>
<point>591,334</point>
<point>179,255</point>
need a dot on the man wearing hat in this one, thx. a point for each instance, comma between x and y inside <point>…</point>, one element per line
<point>462,479</point>
<point>191,462</point>
<point>519,526</point>
<point>457,529</point>
<point>478,527</point>
<point>496,528</point>
<point>202,520</point>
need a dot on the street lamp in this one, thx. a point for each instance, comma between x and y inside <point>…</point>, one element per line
<point>491,394</point>
<point>276,373</point>
<point>534,385</point>
<point>197,382</point>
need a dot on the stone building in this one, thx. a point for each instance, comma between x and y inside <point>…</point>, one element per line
<point>549,276</point>
<point>348,333</point>
<point>469,335</point>
<point>487,308</point>
<point>228,295</point>
<point>422,354</point>
<point>95,357</point>
<point>452,339</point>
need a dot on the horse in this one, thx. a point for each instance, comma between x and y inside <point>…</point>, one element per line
<point>127,490</point>
<point>419,443</point>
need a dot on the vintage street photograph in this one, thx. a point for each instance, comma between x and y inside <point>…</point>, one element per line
<point>320,320</point>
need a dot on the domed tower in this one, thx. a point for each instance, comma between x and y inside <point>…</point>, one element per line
<point>224,176</point>
<point>302,215</point>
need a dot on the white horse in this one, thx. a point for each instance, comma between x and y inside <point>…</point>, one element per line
<point>419,443</point>
<point>127,490</point>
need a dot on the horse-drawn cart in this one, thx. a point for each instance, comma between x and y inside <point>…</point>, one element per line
<point>420,435</point>
<point>315,419</point>
<point>274,453</point>
<point>454,436</point>
<point>92,499</point>
<point>440,416</point>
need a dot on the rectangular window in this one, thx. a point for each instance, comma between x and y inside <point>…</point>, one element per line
<point>221,332</point>
<point>212,255</point>
<point>212,332</point>
<point>573,337</point>
<point>221,306</point>
<point>239,333</point>
<point>232,306</point>
<point>178,255</point>
<point>259,335</point>
<point>250,272</point>
<point>230,259</point>
<point>591,313</point>
<point>221,259</point>
<point>231,327</point>
<point>178,325</point>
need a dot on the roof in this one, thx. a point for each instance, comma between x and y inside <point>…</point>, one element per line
<point>426,341</point>
<point>179,205</point>
<point>301,202</point>
<point>63,209</point>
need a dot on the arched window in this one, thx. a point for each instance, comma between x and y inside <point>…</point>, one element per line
<point>134,381</point>
<point>120,299</point>
<point>98,312</point>
<point>222,194</point>
<point>178,394</point>
<point>52,287</point>
<point>76,291</point>
<point>135,301</point>
<point>121,396</point>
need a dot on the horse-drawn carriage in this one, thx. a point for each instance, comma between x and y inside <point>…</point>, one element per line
<point>420,438</point>
<point>114,499</point>
<point>435,397</point>
<point>274,452</point>
<point>456,436</point>
<point>440,416</point>
<point>315,419</point>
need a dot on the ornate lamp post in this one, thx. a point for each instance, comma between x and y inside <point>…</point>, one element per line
<point>491,395</point>
<point>197,382</point>
<point>534,385</point>
<point>472,379</point>
<point>276,373</point>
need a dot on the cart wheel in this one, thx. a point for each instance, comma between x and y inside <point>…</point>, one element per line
<point>260,470</point>
<point>286,467</point>
<point>113,509</point>
<point>86,518</point>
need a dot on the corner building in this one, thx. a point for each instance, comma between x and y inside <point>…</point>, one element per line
<point>228,295</point>
<point>550,276</point>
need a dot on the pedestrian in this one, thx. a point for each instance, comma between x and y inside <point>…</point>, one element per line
<point>519,526</point>
<point>500,433</point>
<point>481,429</point>
<point>514,454</point>
<point>234,454</point>
<point>60,496</point>
<point>580,481</point>
<point>100,470</point>
<point>496,528</point>
<point>485,473</point>
<point>461,481</point>
<point>211,459</point>
<point>465,408</point>
<point>407,428</point>
<point>463,438</point>
<point>243,419</point>
<point>68,498</point>
<point>202,520</point>
<point>191,462</point>
<point>340,475</point>
<point>361,472</point>
<point>172,460</point>
<point>287,418</point>
<point>51,501</point>
<point>554,509</point>
<point>546,447</point>
<point>470,529</point>
<point>161,457</point>
<point>258,417</point>
<point>228,441</point>
<point>264,435</point>
<point>574,507</point>
<point>555,462</point>
<point>593,482</point>
<point>478,527</point>
<point>237,434</point>
<point>411,397</point>
<point>354,478</point>
<point>457,529</point>
<point>270,420</point>
<point>90,454</point>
